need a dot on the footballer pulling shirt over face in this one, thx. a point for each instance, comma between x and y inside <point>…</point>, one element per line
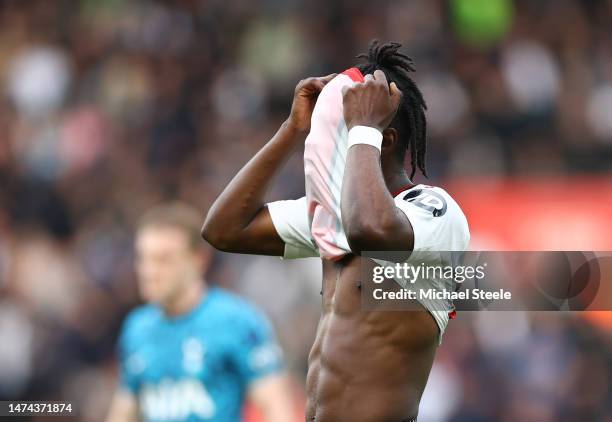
<point>364,365</point>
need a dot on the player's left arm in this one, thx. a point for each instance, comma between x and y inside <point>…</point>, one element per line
<point>271,395</point>
<point>370,217</point>
<point>260,363</point>
<point>124,406</point>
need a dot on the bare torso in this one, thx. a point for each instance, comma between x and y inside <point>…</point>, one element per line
<point>366,366</point>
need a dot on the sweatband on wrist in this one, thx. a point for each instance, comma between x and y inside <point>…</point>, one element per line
<point>365,135</point>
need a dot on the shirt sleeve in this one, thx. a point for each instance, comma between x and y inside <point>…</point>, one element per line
<point>256,352</point>
<point>437,220</point>
<point>290,219</point>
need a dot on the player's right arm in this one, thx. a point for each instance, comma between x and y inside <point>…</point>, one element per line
<point>124,407</point>
<point>238,220</point>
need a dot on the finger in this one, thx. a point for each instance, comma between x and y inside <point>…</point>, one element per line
<point>326,79</point>
<point>301,84</point>
<point>345,89</point>
<point>368,77</point>
<point>318,85</point>
<point>312,84</point>
<point>396,95</point>
<point>379,76</point>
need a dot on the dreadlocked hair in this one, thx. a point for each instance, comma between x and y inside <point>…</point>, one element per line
<point>409,120</point>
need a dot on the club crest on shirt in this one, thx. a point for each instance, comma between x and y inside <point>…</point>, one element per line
<point>135,364</point>
<point>193,355</point>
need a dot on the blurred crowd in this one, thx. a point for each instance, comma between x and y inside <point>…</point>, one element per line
<point>108,107</point>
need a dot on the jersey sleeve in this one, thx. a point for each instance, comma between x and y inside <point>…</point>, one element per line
<point>256,352</point>
<point>437,220</point>
<point>290,219</point>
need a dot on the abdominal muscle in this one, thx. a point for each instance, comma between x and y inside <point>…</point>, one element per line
<point>366,366</point>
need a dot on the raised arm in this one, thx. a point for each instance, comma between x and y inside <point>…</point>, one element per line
<point>370,218</point>
<point>238,221</point>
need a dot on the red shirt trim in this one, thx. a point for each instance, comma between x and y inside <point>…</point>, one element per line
<point>354,73</point>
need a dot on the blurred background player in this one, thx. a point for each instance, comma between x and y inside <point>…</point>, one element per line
<point>194,352</point>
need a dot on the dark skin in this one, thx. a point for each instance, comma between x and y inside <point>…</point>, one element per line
<point>366,366</point>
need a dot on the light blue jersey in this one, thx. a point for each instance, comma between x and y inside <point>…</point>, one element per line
<point>198,366</point>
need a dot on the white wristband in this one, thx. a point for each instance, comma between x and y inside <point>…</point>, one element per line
<point>365,135</point>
